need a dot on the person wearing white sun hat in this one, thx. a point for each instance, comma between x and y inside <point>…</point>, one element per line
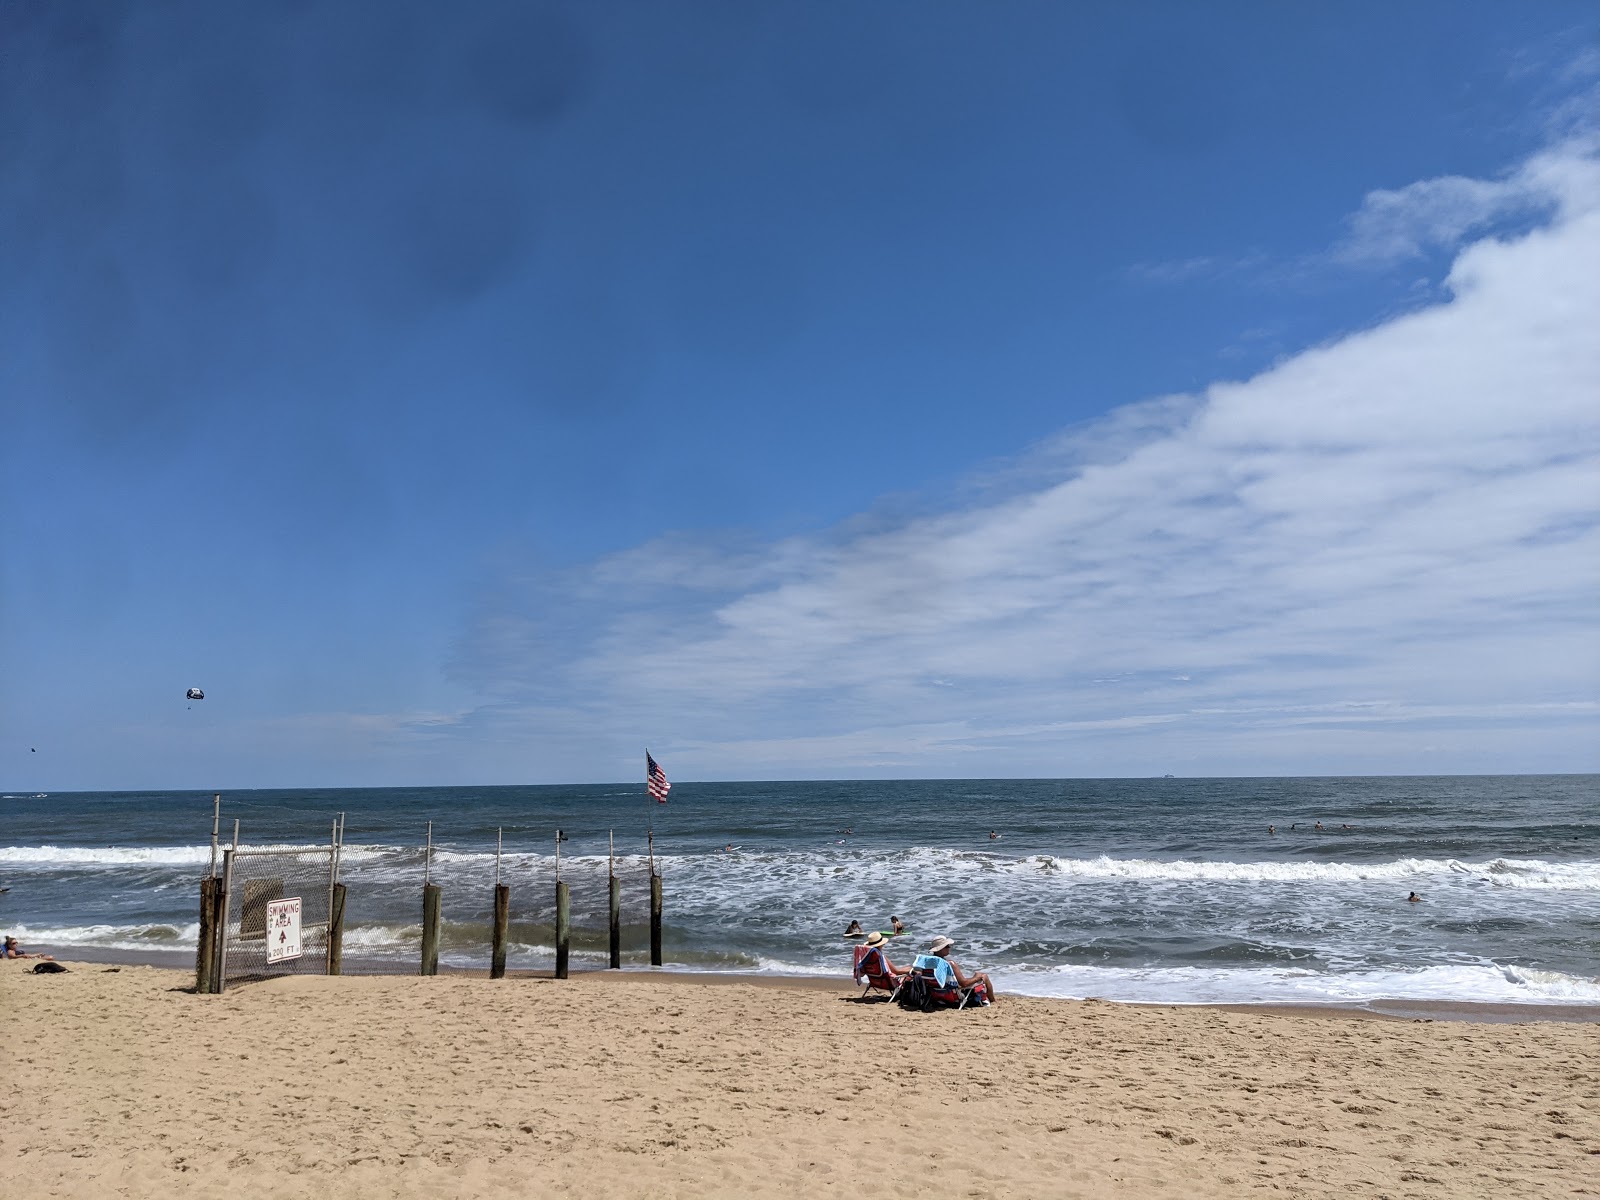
<point>941,947</point>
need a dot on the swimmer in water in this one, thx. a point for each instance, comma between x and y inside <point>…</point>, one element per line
<point>1272,829</point>
<point>854,929</point>
<point>1318,825</point>
<point>993,836</point>
<point>894,923</point>
<point>1414,898</point>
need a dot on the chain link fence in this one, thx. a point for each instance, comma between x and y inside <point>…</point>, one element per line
<point>362,912</point>
<point>254,877</point>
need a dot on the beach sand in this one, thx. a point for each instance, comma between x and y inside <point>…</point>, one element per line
<point>119,1082</point>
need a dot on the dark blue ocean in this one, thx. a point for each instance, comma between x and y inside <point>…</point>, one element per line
<point>1134,889</point>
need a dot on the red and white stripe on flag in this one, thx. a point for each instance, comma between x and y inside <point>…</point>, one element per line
<point>655,779</point>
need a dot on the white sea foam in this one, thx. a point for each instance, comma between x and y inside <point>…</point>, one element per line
<point>154,936</point>
<point>1579,875</point>
<point>1504,872</point>
<point>381,937</point>
<point>151,856</point>
<point>1477,982</point>
<point>105,856</point>
<point>1535,873</point>
<point>828,865</point>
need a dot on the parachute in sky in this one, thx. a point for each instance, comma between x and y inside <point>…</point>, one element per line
<point>194,694</point>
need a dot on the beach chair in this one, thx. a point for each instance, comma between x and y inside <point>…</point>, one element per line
<point>872,969</point>
<point>932,984</point>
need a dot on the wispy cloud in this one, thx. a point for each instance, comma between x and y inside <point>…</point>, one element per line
<point>1381,544</point>
<point>1395,226</point>
<point>1201,266</point>
<point>1438,214</point>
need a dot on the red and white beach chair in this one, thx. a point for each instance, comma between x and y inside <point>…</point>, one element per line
<point>872,969</point>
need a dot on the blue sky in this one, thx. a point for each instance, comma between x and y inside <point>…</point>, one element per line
<point>802,390</point>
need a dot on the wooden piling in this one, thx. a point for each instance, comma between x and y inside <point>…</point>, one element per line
<point>430,928</point>
<point>616,923</point>
<point>219,922</point>
<point>655,919</point>
<point>205,951</point>
<point>336,931</point>
<point>563,928</point>
<point>615,888</point>
<point>502,918</point>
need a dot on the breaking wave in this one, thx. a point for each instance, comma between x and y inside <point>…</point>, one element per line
<point>1483,983</point>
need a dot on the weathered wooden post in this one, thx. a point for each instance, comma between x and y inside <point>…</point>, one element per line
<point>336,898</point>
<point>430,928</point>
<point>219,931</point>
<point>430,911</point>
<point>563,916</point>
<point>336,931</point>
<point>502,914</point>
<point>616,906</point>
<point>655,920</point>
<point>655,907</point>
<point>206,949</point>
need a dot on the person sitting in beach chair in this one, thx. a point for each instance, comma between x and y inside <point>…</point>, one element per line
<point>873,968</point>
<point>937,982</point>
<point>977,984</point>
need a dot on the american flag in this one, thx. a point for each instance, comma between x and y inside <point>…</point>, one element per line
<point>655,779</point>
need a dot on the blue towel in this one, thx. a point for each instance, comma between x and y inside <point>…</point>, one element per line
<point>943,973</point>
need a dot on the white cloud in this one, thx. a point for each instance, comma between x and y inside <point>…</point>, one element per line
<point>1437,214</point>
<point>1381,553</point>
<point>1432,214</point>
<point>1394,226</point>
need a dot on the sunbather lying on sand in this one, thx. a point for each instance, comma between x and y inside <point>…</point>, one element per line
<point>12,950</point>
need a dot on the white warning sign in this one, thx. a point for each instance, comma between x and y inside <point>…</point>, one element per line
<point>283,930</point>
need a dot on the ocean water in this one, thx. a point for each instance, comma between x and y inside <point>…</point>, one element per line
<point>1165,890</point>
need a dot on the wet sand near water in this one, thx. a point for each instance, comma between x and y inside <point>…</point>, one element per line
<point>1432,1010</point>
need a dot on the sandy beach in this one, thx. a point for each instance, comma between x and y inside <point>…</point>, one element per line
<point>121,1082</point>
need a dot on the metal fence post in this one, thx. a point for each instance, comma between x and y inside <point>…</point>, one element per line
<point>216,819</point>
<point>220,959</point>
<point>333,882</point>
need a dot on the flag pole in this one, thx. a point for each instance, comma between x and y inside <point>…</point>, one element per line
<point>650,813</point>
<point>655,792</point>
